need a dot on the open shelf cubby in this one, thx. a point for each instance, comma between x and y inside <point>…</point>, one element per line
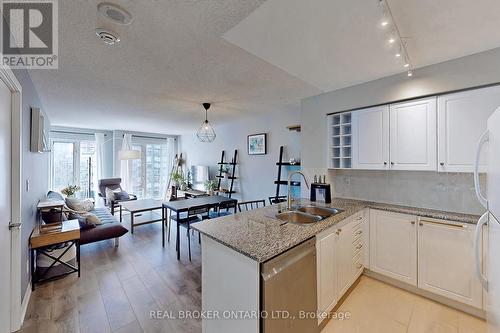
<point>339,139</point>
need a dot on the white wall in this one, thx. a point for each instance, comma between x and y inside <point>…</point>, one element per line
<point>256,174</point>
<point>35,169</point>
<point>479,69</point>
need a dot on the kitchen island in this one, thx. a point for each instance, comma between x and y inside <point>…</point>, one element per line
<point>235,248</point>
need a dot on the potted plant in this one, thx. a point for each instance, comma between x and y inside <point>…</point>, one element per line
<point>210,186</point>
<point>70,190</point>
<point>177,178</point>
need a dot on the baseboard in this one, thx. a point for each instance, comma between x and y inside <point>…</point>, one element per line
<point>438,298</point>
<point>25,303</point>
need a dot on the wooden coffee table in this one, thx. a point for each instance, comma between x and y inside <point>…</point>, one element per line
<point>139,206</point>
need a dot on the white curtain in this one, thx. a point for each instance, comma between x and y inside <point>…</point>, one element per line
<point>126,165</point>
<point>99,162</point>
<point>171,151</point>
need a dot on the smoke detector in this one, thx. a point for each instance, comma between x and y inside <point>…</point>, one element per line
<point>107,36</point>
<point>114,13</point>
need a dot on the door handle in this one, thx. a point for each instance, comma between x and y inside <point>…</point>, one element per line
<point>479,229</point>
<point>484,138</point>
<point>15,226</point>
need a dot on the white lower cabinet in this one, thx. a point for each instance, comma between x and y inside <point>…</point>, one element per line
<point>393,245</point>
<point>446,261</point>
<point>339,260</point>
<point>326,246</point>
<point>433,255</point>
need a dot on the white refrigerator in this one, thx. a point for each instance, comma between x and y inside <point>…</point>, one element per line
<point>489,270</point>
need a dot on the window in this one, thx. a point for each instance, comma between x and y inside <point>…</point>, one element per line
<point>73,162</point>
<point>62,165</point>
<point>150,173</point>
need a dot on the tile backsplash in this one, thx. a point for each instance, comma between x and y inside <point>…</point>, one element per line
<point>443,191</point>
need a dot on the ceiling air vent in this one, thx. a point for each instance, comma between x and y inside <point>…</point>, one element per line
<point>114,13</point>
<point>107,36</point>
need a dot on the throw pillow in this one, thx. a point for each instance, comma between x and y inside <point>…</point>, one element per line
<point>93,219</point>
<point>85,205</point>
<point>84,223</point>
<point>110,195</point>
<point>121,195</point>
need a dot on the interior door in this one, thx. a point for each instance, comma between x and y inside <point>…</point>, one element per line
<point>370,141</point>
<point>413,135</point>
<point>5,206</point>
<point>462,118</point>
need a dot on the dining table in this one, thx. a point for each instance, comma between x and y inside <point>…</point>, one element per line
<point>192,204</point>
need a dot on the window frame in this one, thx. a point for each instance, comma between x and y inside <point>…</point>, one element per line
<point>76,159</point>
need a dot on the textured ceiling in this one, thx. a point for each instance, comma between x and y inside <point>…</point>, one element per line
<point>245,56</point>
<point>335,44</point>
<point>170,60</point>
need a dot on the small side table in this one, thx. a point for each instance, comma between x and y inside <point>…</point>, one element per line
<point>69,233</point>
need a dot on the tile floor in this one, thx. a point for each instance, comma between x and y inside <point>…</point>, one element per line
<point>378,307</point>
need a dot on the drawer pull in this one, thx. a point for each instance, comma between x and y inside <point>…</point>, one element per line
<point>442,223</point>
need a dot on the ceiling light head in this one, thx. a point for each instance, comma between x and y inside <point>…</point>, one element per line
<point>107,36</point>
<point>398,55</point>
<point>407,65</point>
<point>384,23</point>
<point>114,13</point>
<point>391,40</point>
<point>206,132</point>
<point>410,73</point>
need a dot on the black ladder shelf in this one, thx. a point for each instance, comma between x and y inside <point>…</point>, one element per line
<point>279,182</point>
<point>220,176</point>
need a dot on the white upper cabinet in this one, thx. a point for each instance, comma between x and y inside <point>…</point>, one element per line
<point>461,121</point>
<point>370,138</point>
<point>413,135</point>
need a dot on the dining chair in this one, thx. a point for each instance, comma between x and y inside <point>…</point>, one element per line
<point>249,205</point>
<point>185,221</point>
<point>277,199</point>
<point>223,209</point>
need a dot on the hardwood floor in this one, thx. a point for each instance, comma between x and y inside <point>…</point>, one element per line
<point>119,287</point>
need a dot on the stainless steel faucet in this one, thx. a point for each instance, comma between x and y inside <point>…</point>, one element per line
<point>289,196</point>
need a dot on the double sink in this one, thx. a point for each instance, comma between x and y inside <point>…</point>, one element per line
<point>307,214</point>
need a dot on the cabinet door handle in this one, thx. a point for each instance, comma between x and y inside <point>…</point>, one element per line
<point>359,266</point>
<point>412,222</point>
<point>359,246</point>
<point>392,163</point>
<point>443,223</point>
<point>338,231</point>
<point>385,163</point>
<point>359,232</point>
<point>441,164</point>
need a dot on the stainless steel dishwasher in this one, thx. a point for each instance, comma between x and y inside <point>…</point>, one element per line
<point>289,300</point>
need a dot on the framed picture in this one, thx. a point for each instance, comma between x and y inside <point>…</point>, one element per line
<point>257,144</point>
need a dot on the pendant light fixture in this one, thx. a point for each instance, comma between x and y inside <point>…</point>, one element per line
<point>206,132</point>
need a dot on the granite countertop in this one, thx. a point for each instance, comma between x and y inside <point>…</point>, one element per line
<point>259,236</point>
